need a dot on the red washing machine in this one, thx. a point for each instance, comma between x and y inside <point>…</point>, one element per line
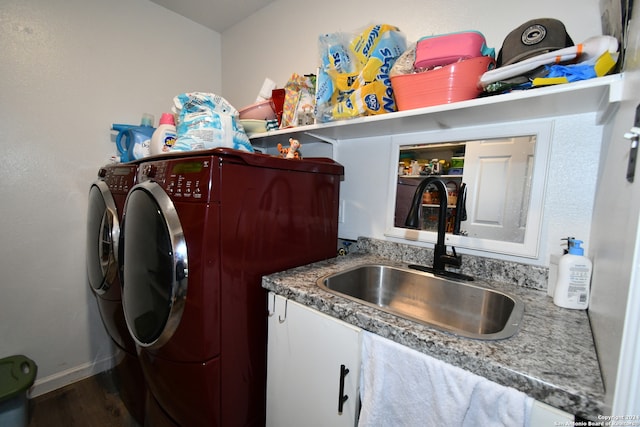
<point>106,206</point>
<point>199,234</point>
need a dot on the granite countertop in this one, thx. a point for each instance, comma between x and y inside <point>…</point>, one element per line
<point>552,357</point>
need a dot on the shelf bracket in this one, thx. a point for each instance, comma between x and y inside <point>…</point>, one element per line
<point>609,102</point>
<point>322,138</point>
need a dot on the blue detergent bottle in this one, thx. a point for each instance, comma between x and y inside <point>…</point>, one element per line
<point>133,141</point>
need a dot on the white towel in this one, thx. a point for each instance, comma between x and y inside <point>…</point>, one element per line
<point>403,387</point>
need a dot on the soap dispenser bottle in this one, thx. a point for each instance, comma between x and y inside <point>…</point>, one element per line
<point>574,278</point>
<point>554,260</point>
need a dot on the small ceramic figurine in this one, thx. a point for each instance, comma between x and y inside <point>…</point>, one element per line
<point>292,152</point>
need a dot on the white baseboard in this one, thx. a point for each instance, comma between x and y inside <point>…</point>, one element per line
<point>71,375</point>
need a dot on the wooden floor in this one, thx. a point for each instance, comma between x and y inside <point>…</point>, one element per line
<point>93,402</point>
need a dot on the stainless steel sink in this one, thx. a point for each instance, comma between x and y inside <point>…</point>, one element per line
<point>459,308</point>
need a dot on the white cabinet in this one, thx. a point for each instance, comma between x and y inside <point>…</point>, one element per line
<point>313,365</point>
<point>545,415</point>
<point>308,353</point>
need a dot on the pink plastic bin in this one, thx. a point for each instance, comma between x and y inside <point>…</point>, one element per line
<point>452,83</point>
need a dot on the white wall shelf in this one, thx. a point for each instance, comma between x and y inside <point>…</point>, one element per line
<point>600,95</point>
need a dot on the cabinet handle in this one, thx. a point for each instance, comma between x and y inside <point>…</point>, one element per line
<point>341,396</point>
<point>280,318</point>
<point>269,312</point>
<point>182,272</point>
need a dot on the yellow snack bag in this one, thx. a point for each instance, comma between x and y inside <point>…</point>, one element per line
<point>370,99</point>
<point>347,72</point>
<point>364,45</point>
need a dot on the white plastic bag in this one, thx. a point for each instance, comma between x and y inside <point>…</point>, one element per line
<point>206,121</point>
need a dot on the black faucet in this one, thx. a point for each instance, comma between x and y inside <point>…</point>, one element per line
<point>440,256</point>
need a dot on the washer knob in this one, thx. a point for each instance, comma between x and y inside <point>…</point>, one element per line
<point>149,171</point>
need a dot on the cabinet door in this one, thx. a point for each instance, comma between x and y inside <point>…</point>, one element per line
<point>545,415</point>
<point>306,350</point>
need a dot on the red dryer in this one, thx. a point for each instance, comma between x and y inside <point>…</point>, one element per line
<point>199,234</point>
<point>106,206</point>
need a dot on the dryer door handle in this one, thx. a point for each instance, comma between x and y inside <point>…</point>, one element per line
<point>181,271</point>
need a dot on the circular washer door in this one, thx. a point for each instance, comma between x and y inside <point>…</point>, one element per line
<point>154,265</point>
<point>103,230</point>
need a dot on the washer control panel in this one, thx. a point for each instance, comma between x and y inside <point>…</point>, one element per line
<point>119,178</point>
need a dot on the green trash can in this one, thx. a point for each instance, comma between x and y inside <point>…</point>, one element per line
<point>17,374</point>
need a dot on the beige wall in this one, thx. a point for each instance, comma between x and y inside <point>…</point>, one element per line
<point>69,70</point>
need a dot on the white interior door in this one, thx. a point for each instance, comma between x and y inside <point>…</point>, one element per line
<point>500,185</point>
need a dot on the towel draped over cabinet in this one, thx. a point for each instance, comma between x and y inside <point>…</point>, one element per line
<point>401,386</point>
